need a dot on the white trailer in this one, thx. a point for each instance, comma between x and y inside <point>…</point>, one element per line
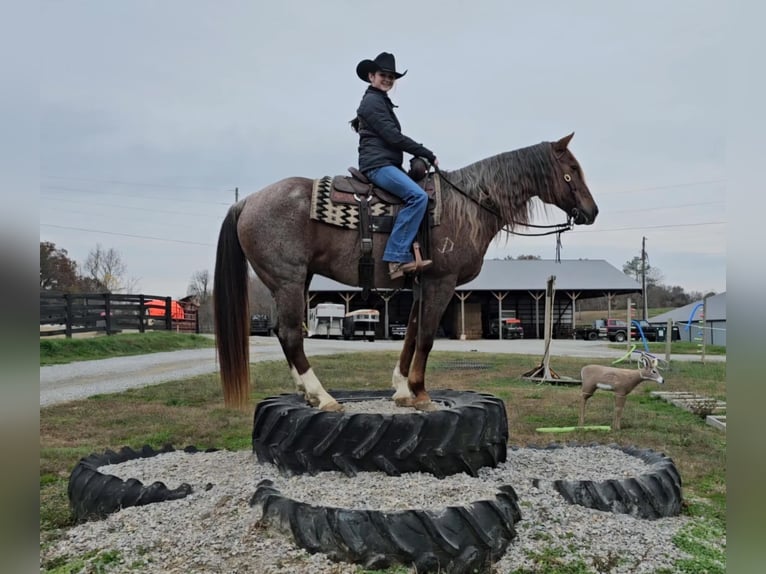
<point>326,320</point>
<point>361,324</point>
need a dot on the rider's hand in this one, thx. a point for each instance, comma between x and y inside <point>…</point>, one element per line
<point>436,162</point>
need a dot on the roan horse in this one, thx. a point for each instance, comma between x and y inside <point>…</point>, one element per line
<point>272,230</point>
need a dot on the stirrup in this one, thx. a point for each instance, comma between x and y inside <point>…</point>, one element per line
<point>420,263</point>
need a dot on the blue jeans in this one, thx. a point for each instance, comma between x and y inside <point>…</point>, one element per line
<point>395,181</point>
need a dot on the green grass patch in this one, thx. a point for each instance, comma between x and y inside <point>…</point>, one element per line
<point>61,351</point>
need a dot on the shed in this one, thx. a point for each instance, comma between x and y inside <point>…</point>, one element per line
<point>693,322</point>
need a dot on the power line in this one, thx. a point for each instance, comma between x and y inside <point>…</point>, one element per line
<point>669,186</point>
<point>123,194</point>
<point>134,183</point>
<point>656,207</point>
<point>126,235</point>
<point>139,208</point>
<point>669,226</point>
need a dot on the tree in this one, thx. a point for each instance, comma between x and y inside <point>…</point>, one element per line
<point>57,271</point>
<point>199,286</point>
<point>634,268</point>
<point>106,268</point>
<point>529,257</point>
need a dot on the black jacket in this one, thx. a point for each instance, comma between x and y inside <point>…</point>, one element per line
<point>381,141</point>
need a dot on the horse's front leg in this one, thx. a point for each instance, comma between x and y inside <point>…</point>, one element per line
<point>402,395</point>
<point>424,321</point>
<point>290,334</point>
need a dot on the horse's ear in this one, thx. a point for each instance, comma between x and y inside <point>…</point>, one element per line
<point>562,144</point>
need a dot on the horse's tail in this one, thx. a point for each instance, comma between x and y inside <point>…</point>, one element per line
<point>231,312</point>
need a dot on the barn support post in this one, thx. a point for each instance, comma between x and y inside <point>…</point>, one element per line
<point>347,298</point>
<point>387,296</point>
<point>500,298</point>
<point>537,297</point>
<point>609,297</point>
<point>462,297</point>
<point>573,297</point>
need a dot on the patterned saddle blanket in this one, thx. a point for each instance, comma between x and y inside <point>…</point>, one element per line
<point>336,201</point>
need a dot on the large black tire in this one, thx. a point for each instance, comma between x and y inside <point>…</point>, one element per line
<point>655,494</point>
<point>93,495</point>
<point>298,439</point>
<point>592,336</point>
<point>453,540</point>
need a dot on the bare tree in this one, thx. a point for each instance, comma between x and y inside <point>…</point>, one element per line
<point>107,268</point>
<point>199,286</point>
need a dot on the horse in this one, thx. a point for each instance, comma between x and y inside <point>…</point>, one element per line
<point>272,230</point>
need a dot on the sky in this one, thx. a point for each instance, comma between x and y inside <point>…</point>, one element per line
<point>152,114</point>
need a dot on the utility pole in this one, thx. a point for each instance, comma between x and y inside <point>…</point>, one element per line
<point>236,194</point>
<point>645,311</point>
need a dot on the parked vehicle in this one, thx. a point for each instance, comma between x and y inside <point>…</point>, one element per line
<point>397,330</point>
<point>617,330</point>
<point>361,324</point>
<point>326,320</point>
<point>260,324</point>
<point>590,332</point>
<point>512,329</point>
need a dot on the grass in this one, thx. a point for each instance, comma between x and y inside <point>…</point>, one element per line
<point>190,412</point>
<point>60,351</point>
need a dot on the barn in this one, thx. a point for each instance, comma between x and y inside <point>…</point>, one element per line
<point>508,288</point>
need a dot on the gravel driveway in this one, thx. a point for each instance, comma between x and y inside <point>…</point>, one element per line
<point>61,383</point>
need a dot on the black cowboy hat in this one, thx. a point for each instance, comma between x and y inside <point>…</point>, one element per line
<point>384,62</point>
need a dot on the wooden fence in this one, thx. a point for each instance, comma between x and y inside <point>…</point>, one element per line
<point>110,313</point>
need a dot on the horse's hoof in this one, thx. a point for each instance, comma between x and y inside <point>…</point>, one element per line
<point>426,406</point>
<point>403,401</point>
<point>313,401</point>
<point>333,407</point>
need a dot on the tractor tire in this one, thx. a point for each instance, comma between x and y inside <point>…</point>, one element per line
<point>453,540</point>
<point>468,435</point>
<point>656,494</point>
<point>592,336</point>
<point>93,495</point>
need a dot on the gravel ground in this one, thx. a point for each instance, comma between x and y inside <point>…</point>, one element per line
<point>215,530</point>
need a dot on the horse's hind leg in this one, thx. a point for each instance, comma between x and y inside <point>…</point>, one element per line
<point>289,300</point>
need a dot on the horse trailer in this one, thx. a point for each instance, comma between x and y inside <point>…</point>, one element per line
<point>326,320</point>
<point>361,324</point>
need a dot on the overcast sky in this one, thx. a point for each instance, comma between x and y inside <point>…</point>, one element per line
<point>152,113</point>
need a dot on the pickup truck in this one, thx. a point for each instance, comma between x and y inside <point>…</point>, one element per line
<point>616,330</point>
<point>590,332</point>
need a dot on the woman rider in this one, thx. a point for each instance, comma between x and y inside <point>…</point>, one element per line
<point>381,143</point>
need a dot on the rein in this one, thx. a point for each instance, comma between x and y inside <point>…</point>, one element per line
<point>557,228</point>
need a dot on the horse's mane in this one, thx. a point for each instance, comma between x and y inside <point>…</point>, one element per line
<point>507,182</point>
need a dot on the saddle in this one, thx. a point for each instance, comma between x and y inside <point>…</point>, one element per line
<point>357,190</point>
<point>351,189</point>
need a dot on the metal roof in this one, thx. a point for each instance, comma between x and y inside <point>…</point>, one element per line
<point>715,310</point>
<point>530,275</point>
